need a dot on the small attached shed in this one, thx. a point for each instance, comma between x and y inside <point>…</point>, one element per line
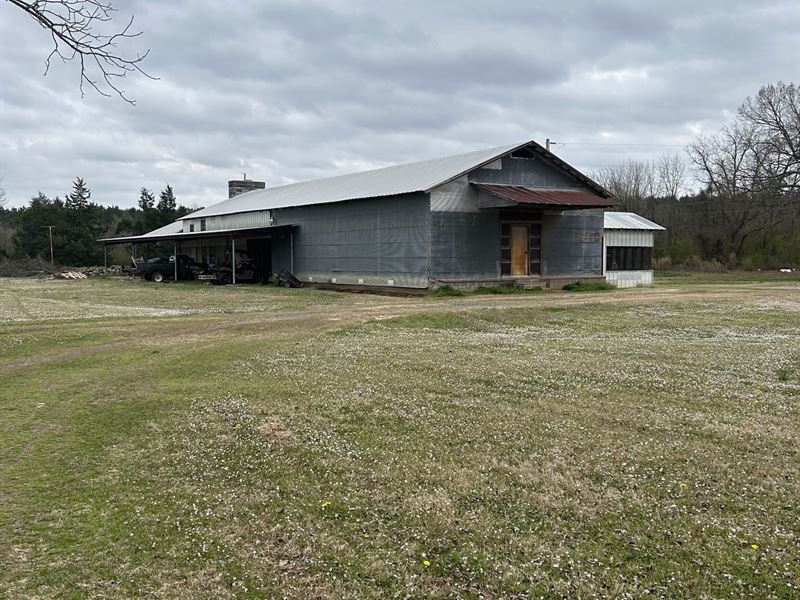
<point>628,245</point>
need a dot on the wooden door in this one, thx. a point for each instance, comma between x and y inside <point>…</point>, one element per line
<point>519,249</point>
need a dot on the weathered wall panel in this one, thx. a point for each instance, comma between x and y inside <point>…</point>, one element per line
<point>572,243</point>
<point>455,196</point>
<point>465,245</point>
<point>377,241</point>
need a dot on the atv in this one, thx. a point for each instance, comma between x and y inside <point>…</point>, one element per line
<point>246,272</point>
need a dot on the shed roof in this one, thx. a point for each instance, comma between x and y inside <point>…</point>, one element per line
<point>629,220</point>
<point>388,181</point>
<point>546,197</point>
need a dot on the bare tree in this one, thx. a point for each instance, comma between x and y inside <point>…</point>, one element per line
<point>630,181</point>
<point>734,167</point>
<point>670,175</point>
<point>3,199</point>
<point>78,29</point>
<point>774,115</point>
<point>725,160</point>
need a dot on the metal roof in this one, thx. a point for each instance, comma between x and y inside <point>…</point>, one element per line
<point>546,197</point>
<point>398,179</point>
<point>629,220</point>
<point>171,229</point>
<point>167,233</point>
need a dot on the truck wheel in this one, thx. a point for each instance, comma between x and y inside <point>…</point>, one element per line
<point>223,279</point>
<point>157,276</point>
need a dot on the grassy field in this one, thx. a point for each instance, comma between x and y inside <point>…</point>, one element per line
<point>187,441</point>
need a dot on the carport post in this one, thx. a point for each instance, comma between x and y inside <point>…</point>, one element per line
<point>176,259</point>
<point>233,258</point>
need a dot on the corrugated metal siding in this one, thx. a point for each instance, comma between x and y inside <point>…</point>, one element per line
<point>624,237</point>
<point>572,243</point>
<point>534,172</point>
<point>370,242</point>
<point>629,279</point>
<point>244,220</point>
<point>465,245</point>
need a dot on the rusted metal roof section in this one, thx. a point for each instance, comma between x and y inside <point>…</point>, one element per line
<point>546,197</point>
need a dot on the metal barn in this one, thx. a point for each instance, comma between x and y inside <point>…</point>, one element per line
<point>628,242</point>
<point>515,214</point>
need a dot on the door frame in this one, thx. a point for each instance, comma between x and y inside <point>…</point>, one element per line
<point>527,238</point>
<point>505,266</point>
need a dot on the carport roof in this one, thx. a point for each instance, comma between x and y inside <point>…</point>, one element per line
<point>168,232</point>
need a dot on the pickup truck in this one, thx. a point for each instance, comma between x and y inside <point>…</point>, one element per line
<point>160,269</point>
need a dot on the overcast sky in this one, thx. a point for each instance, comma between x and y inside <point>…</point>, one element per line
<point>289,90</point>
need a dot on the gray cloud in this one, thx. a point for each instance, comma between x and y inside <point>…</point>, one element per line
<point>288,91</point>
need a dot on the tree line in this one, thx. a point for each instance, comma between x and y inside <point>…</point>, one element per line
<point>77,223</point>
<point>747,213</point>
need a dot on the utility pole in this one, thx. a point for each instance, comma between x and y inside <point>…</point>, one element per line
<point>548,143</point>
<point>50,228</point>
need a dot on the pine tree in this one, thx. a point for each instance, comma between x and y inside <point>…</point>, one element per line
<point>167,205</point>
<point>79,198</point>
<point>149,218</point>
<point>147,200</point>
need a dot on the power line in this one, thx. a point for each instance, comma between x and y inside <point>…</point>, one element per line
<point>622,144</point>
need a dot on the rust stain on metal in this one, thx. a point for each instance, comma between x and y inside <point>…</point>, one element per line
<point>526,195</point>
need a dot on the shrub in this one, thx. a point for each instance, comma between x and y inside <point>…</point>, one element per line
<point>589,286</point>
<point>445,291</point>
<point>785,374</point>
<point>663,263</point>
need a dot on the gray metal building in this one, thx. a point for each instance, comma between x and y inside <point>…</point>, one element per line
<point>515,213</point>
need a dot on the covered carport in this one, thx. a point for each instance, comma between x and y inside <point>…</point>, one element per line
<point>208,247</point>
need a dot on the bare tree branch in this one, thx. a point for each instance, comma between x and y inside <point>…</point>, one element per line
<point>77,29</point>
